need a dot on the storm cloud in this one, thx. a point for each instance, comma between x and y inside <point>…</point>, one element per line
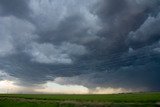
<point>94,43</point>
<point>18,8</point>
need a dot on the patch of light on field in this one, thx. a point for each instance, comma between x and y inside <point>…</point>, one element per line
<point>51,87</point>
<point>100,90</point>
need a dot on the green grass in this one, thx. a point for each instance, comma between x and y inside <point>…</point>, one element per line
<point>61,100</point>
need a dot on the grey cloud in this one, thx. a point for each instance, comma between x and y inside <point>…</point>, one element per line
<point>48,53</point>
<point>57,22</point>
<point>3,75</point>
<point>117,23</point>
<point>137,71</point>
<point>111,53</point>
<point>18,8</point>
<point>148,33</point>
<point>74,29</point>
<point>14,33</point>
<point>48,14</point>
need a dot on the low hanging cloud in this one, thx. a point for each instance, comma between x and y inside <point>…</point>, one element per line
<point>111,44</point>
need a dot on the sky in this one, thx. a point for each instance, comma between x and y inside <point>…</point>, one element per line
<point>79,46</point>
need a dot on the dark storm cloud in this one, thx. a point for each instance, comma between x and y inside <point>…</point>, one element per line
<point>123,56</point>
<point>18,8</point>
<point>27,59</point>
<point>135,70</point>
<point>72,29</point>
<point>107,43</point>
<point>130,29</point>
<point>147,34</point>
<point>120,18</point>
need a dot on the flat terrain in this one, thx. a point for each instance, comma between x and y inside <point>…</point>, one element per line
<point>62,100</point>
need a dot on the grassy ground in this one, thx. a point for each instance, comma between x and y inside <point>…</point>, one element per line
<point>114,100</point>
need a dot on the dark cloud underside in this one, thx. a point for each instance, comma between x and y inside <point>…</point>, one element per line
<point>18,8</point>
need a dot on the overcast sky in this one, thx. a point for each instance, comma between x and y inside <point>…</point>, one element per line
<point>79,46</point>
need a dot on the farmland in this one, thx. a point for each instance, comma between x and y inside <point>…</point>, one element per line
<point>64,100</point>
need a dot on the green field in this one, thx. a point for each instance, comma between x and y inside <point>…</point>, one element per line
<point>61,100</point>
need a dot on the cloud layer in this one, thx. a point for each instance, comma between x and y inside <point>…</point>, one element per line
<point>106,43</point>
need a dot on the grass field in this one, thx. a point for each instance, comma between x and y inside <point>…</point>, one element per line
<point>61,100</point>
